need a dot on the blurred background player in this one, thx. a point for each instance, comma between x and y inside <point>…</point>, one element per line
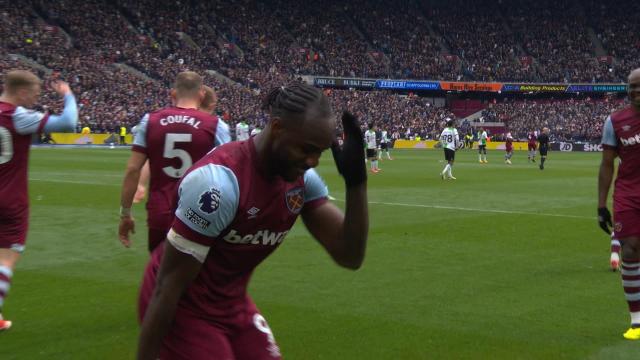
<point>17,126</point>
<point>449,140</point>
<point>385,143</point>
<point>172,139</point>
<point>255,131</point>
<point>468,140</point>
<point>508,147</point>
<point>242,131</point>
<point>208,105</point>
<point>198,307</point>
<point>543,140</point>
<point>123,134</point>
<point>531,145</point>
<point>621,138</point>
<point>482,146</point>
<point>370,141</point>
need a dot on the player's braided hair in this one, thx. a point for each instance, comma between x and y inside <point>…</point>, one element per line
<point>293,100</point>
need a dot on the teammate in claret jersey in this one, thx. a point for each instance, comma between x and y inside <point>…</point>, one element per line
<point>17,126</point>
<point>508,147</point>
<point>172,139</point>
<point>621,138</point>
<point>532,146</point>
<point>235,207</point>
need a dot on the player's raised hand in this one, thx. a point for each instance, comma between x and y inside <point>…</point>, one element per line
<point>127,225</point>
<point>604,219</point>
<point>350,158</point>
<point>61,87</point>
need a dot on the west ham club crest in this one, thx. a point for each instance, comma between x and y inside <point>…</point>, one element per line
<point>294,199</point>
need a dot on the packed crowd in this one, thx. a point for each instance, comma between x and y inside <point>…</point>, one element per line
<point>577,120</point>
<point>95,45</point>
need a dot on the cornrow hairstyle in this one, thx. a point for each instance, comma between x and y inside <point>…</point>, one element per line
<point>292,100</point>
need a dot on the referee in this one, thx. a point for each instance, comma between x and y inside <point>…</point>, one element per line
<point>543,140</point>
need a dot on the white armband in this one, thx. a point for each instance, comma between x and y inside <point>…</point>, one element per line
<point>187,246</point>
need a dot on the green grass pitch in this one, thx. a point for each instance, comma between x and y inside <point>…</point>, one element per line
<point>507,262</point>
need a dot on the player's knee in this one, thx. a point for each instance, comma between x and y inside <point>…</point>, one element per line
<point>631,248</point>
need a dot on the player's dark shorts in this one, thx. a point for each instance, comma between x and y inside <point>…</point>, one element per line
<point>543,150</point>
<point>482,148</point>
<point>192,337</point>
<point>531,146</point>
<point>13,230</point>
<point>449,154</point>
<point>159,224</point>
<point>122,139</point>
<point>371,153</point>
<point>626,223</point>
<point>384,146</point>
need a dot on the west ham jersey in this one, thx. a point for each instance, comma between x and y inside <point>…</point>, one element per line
<point>621,132</point>
<point>17,125</point>
<point>174,139</point>
<point>231,216</point>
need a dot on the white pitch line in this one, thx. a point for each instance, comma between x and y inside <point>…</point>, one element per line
<point>76,182</point>
<point>510,212</point>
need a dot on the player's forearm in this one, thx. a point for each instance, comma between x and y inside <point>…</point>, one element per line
<point>156,324</point>
<point>355,227</point>
<point>66,121</point>
<point>604,183</point>
<point>129,187</point>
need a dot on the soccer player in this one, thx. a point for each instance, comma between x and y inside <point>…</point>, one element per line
<point>508,146</point>
<point>17,125</point>
<point>621,137</point>
<point>235,207</point>
<point>531,146</point>
<point>543,140</point>
<point>208,105</point>
<point>468,140</point>
<point>242,131</point>
<point>172,139</point>
<point>449,140</point>
<point>370,141</point>
<point>384,144</point>
<point>482,146</point>
<point>123,134</point>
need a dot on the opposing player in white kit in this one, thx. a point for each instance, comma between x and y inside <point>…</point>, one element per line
<point>370,141</point>
<point>242,131</point>
<point>384,144</point>
<point>449,140</point>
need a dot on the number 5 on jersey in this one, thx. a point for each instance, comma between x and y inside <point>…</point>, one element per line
<point>170,152</point>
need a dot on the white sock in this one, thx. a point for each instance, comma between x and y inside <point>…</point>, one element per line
<point>388,155</point>
<point>446,169</point>
<point>480,157</point>
<point>449,171</point>
<point>635,317</point>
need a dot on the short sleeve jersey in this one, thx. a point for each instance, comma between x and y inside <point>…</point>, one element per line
<point>449,138</point>
<point>174,139</point>
<point>17,126</point>
<point>621,132</point>
<point>482,138</point>
<point>385,137</point>
<point>370,139</point>
<point>231,216</point>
